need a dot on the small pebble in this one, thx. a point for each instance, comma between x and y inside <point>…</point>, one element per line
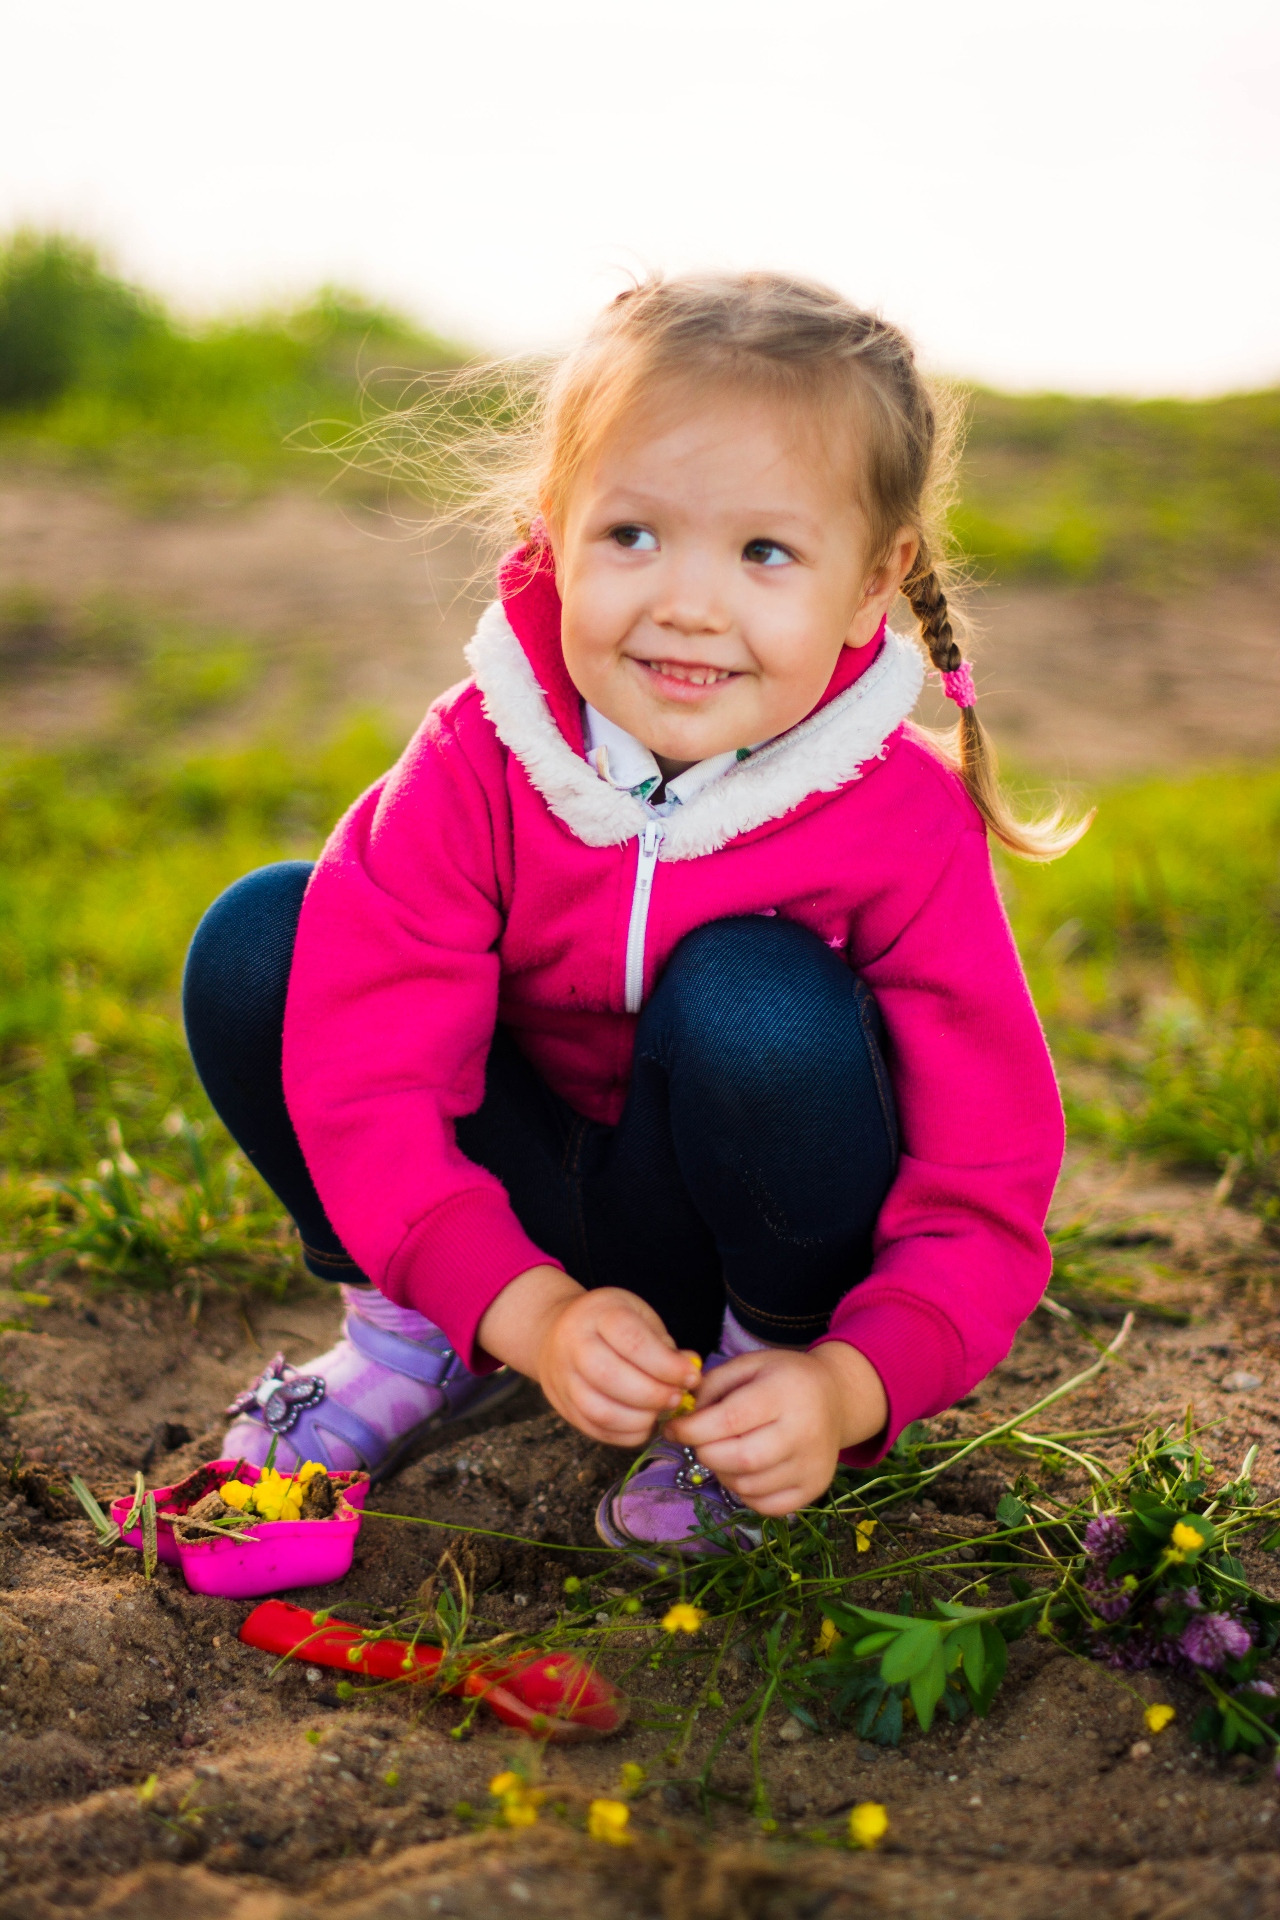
<point>792,1729</point>
<point>1140,1749</point>
<point>1241,1382</point>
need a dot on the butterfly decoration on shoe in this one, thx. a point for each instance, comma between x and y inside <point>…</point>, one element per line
<point>280,1394</point>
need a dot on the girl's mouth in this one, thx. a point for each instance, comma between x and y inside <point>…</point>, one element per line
<point>684,679</point>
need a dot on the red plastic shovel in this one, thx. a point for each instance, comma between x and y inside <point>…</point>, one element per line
<point>553,1696</point>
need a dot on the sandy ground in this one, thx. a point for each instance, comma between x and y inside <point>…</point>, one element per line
<point>1046,1809</point>
<point>1078,685</point>
<point>1046,1812</point>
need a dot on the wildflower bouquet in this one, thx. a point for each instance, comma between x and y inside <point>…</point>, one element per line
<point>1151,1581</point>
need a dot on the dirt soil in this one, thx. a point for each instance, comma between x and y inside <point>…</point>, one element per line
<point>272,1799</point>
<point>352,608</point>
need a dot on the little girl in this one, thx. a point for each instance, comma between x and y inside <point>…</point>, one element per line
<point>659,1002</point>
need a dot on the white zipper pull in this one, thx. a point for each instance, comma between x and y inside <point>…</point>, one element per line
<point>646,860</point>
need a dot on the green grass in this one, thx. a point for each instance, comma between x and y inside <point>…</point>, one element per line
<point>1152,951</point>
<point>106,864</point>
<point>96,375</point>
<point>1155,495</point>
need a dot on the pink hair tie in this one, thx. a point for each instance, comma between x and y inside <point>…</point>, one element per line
<point>958,686</point>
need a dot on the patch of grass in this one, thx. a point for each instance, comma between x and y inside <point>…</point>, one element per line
<point>112,1160</point>
<point>1153,951</point>
<point>1154,494</point>
<point>97,374</point>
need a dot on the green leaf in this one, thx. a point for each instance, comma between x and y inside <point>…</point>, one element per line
<point>1271,1542</point>
<point>912,1651</point>
<point>1155,1518</point>
<point>1206,1728</point>
<point>150,1547</point>
<point>107,1530</point>
<point>995,1650</point>
<point>1018,1586</point>
<point>971,1652</point>
<point>928,1686</point>
<point>872,1643</point>
<point>1010,1511</point>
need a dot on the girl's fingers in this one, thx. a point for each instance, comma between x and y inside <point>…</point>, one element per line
<point>737,1412</point>
<point>774,1505</point>
<point>646,1347</point>
<point>763,1451</point>
<point>607,1419</point>
<point>605,1370</point>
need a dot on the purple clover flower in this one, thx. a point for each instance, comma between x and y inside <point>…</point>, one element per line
<point>1108,1598</point>
<point>1211,1638</point>
<point>1105,1536</point>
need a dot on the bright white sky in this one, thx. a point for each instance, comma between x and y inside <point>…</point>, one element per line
<point>1083,196</point>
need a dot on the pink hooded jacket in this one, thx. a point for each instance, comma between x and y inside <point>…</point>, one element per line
<point>493,876</point>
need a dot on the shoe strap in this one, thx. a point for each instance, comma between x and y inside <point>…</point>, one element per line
<point>433,1366</point>
<point>306,1436</point>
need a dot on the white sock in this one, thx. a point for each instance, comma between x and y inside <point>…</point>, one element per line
<point>734,1338</point>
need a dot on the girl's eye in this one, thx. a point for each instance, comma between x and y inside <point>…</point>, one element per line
<point>766,553</point>
<point>635,539</point>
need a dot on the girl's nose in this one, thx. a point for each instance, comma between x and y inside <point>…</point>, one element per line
<point>690,602</point>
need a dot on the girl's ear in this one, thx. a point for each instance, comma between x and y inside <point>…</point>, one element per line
<point>881,587</point>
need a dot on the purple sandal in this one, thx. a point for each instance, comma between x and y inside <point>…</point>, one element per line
<point>672,1501</point>
<point>370,1402</point>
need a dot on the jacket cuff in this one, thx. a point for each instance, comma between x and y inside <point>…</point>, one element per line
<point>918,1355</point>
<point>452,1265</point>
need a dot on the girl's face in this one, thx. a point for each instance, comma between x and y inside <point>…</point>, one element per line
<point>712,563</point>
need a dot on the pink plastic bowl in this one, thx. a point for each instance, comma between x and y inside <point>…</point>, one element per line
<point>282,1553</point>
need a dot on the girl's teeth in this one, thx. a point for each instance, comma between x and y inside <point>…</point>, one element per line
<point>697,676</point>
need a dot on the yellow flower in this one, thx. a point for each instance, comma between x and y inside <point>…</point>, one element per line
<point>1186,1538</point>
<point>519,1801</point>
<point>607,1820</point>
<point>868,1824</point>
<point>632,1776</point>
<point>1158,1716</point>
<point>827,1637</point>
<point>682,1618</point>
<point>687,1399</point>
<point>276,1496</point>
<point>863,1532</point>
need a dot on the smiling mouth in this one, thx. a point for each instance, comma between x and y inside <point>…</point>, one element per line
<point>694,676</point>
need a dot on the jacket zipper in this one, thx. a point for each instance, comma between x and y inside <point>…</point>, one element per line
<point>646,860</point>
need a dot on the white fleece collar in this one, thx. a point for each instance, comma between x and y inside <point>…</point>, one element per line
<point>821,755</point>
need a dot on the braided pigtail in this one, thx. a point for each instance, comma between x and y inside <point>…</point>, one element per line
<point>971,750</point>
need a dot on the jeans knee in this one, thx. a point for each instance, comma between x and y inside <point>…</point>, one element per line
<point>237,968</point>
<point>758,990</point>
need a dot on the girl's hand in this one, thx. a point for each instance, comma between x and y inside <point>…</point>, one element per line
<point>771,1424</point>
<point>604,1359</point>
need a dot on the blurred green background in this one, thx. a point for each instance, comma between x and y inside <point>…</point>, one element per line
<point>1152,948</point>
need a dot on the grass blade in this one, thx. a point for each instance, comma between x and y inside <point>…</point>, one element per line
<point>107,1531</point>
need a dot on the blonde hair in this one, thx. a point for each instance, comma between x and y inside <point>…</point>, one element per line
<point>508,449</point>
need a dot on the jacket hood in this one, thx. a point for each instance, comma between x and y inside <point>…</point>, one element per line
<point>536,710</point>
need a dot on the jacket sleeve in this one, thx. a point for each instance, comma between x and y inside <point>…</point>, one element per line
<point>392,1003</point>
<point>960,1255</point>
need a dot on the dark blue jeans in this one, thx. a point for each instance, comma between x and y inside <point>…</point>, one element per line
<point>752,1157</point>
